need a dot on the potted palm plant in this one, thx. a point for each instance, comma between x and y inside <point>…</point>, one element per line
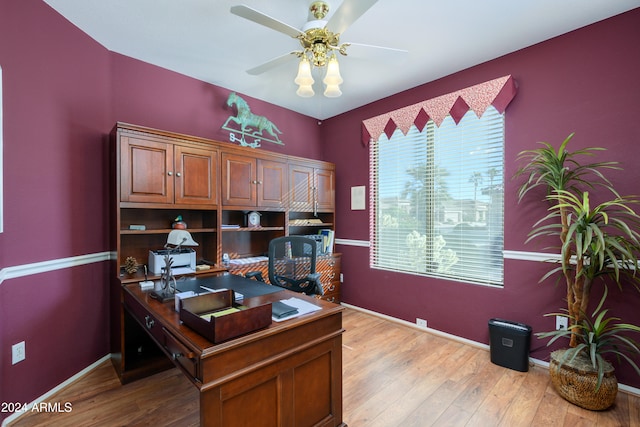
<point>581,374</point>
<point>597,241</point>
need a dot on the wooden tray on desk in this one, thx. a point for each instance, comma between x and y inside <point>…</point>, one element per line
<point>225,326</point>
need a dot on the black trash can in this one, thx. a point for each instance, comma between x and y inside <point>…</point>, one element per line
<point>509,344</point>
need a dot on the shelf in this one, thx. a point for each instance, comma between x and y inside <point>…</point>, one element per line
<point>321,225</point>
<point>167,231</point>
<point>226,230</point>
<point>139,275</point>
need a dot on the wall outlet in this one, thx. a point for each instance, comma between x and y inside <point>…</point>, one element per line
<point>18,353</point>
<point>341,278</point>
<point>421,322</point>
<point>561,323</point>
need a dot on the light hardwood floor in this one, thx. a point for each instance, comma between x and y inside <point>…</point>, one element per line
<point>394,375</point>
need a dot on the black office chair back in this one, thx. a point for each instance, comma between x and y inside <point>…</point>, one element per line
<point>292,264</point>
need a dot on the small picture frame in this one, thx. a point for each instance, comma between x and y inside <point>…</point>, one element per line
<point>358,198</point>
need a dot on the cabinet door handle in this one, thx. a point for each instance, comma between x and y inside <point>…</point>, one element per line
<point>170,173</point>
<point>148,320</point>
<point>258,182</point>
<point>178,174</point>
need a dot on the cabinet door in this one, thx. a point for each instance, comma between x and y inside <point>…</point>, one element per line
<point>272,183</point>
<point>300,188</point>
<point>325,189</point>
<point>195,176</point>
<point>146,171</point>
<point>238,180</point>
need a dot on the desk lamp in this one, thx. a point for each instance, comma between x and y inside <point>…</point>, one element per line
<point>167,286</point>
<point>179,238</point>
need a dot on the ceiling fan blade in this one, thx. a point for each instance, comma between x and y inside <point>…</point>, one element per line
<point>260,18</point>
<point>275,62</point>
<point>359,50</point>
<point>347,13</point>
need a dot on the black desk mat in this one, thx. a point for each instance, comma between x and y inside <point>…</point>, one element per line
<point>247,287</point>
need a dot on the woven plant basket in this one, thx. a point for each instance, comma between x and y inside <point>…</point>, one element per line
<point>576,382</point>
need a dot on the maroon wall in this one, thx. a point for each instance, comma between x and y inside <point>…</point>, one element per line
<point>150,96</point>
<point>55,107</point>
<point>62,94</point>
<point>584,82</point>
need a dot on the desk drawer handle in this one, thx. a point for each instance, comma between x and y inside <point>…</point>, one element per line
<point>148,320</point>
<point>181,351</point>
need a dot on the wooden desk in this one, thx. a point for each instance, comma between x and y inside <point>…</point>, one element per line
<point>289,374</point>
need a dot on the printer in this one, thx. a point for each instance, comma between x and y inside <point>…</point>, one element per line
<point>183,259</point>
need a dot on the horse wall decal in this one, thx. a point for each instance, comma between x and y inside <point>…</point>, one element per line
<point>250,124</point>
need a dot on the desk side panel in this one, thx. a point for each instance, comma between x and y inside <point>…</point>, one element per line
<point>304,388</point>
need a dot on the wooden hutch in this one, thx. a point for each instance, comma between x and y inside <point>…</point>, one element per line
<point>212,185</point>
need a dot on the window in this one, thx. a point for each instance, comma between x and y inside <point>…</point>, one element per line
<point>437,199</point>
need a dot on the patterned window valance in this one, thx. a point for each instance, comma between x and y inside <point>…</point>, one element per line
<point>498,92</point>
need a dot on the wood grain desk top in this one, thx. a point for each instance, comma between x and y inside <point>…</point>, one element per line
<point>171,319</point>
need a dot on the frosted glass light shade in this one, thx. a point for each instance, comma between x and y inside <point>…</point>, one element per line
<point>304,77</point>
<point>305,91</point>
<point>332,91</point>
<point>332,79</point>
<point>333,76</point>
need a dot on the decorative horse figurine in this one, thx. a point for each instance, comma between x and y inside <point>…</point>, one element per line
<point>246,119</point>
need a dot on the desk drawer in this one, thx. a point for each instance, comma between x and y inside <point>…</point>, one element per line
<point>172,346</point>
<point>180,353</point>
<point>142,316</point>
<point>332,292</point>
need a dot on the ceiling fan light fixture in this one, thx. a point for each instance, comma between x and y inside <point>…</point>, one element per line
<point>333,79</point>
<point>332,91</point>
<point>319,39</point>
<point>305,91</point>
<point>304,79</point>
<point>333,76</point>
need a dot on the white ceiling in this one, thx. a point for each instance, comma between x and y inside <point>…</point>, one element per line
<point>202,39</point>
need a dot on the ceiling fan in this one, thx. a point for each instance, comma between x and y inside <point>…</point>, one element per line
<point>319,40</point>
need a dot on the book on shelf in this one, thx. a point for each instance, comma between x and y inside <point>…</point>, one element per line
<point>327,240</point>
<point>229,226</point>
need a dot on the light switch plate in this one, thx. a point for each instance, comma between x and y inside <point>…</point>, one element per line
<point>18,353</point>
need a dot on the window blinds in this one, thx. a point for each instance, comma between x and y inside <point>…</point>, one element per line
<point>437,199</point>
